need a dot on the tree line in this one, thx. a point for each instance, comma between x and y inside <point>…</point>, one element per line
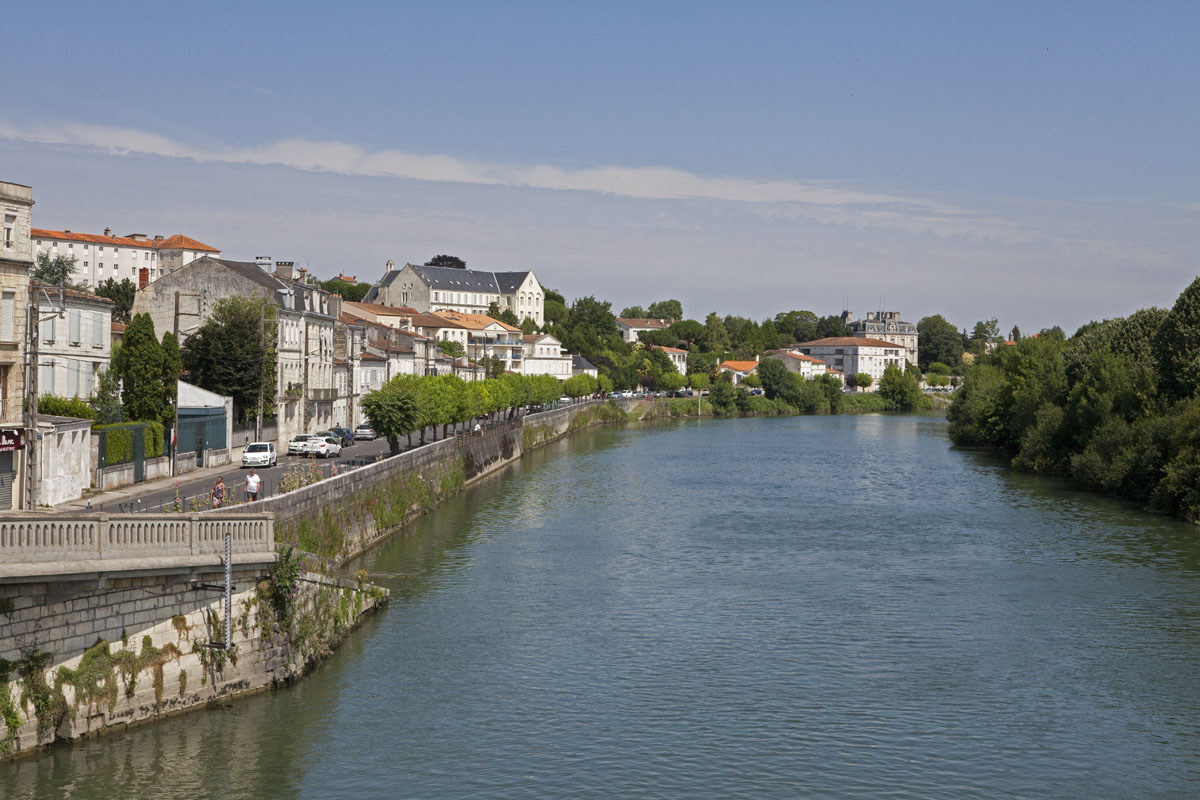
<point>409,404</point>
<point>1114,407</point>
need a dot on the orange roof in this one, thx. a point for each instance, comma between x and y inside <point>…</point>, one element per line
<point>116,241</point>
<point>470,321</point>
<point>802,357</point>
<point>377,308</point>
<point>638,322</point>
<point>739,366</point>
<point>118,327</point>
<point>372,357</point>
<point>850,341</point>
<point>181,242</point>
<point>669,349</point>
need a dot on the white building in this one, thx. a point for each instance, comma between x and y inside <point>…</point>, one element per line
<point>467,291</point>
<point>851,355</point>
<point>803,365</point>
<point>739,370</point>
<point>678,357</point>
<point>137,257</point>
<point>481,336</point>
<point>542,354</point>
<point>885,326</point>
<point>65,459</point>
<point>75,341</point>
<point>629,328</point>
<point>16,260</point>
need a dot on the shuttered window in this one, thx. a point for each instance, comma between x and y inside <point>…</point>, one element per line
<point>48,328</point>
<point>75,326</point>
<point>7,319</point>
<point>97,329</point>
<point>72,378</point>
<point>46,379</point>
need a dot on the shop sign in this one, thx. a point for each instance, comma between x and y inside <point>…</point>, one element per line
<point>10,440</point>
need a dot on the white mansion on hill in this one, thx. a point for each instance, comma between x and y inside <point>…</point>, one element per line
<point>467,291</point>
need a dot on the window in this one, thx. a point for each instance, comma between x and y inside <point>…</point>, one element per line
<point>97,329</point>
<point>75,326</point>
<point>48,329</point>
<point>8,305</point>
<point>46,379</point>
<point>72,378</point>
<point>10,225</point>
<point>85,263</point>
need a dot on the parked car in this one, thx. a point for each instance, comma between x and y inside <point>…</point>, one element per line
<point>298,446</point>
<point>323,447</point>
<point>564,399</point>
<point>345,435</point>
<point>364,432</point>
<point>259,454</point>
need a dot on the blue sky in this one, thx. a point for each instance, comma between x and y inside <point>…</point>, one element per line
<point>1036,162</point>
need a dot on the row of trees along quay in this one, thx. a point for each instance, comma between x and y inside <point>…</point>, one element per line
<point>1115,407</point>
<point>409,404</point>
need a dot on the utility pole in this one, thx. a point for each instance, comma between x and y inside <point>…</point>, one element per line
<point>304,388</point>
<point>262,369</point>
<point>31,388</point>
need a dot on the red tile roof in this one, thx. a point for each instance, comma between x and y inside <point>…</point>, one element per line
<point>739,366</point>
<point>802,357</point>
<point>181,242</point>
<point>638,322</point>
<point>378,308</point>
<point>116,241</point>
<point>118,327</point>
<point>669,349</point>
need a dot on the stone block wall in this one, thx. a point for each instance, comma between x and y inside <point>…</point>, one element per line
<point>78,658</point>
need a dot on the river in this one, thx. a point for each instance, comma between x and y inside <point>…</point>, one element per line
<point>833,607</point>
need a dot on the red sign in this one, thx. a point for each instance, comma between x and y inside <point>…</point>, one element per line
<point>10,440</point>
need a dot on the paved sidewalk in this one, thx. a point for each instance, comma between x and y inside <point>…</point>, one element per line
<point>112,497</point>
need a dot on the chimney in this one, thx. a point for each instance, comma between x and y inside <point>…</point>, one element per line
<point>302,275</point>
<point>283,270</point>
<point>108,231</point>
<point>756,359</point>
<point>158,237</point>
<point>68,230</point>
<point>335,305</point>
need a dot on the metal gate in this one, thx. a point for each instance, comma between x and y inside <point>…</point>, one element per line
<point>139,455</point>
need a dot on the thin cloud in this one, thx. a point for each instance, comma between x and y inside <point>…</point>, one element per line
<point>656,183</point>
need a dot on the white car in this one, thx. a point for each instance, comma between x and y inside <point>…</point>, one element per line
<point>259,454</point>
<point>364,431</point>
<point>323,447</point>
<point>298,446</point>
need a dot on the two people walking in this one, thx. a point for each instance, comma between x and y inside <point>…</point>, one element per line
<point>216,495</point>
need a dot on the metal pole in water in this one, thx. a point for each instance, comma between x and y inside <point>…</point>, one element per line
<point>228,593</point>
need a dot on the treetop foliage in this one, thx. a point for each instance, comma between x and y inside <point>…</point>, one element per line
<point>454,262</point>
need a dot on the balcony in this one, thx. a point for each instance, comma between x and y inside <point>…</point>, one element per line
<point>322,394</point>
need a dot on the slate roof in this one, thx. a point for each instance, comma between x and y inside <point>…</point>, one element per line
<point>459,280</point>
<point>579,362</point>
<point>248,270</point>
<point>509,282</point>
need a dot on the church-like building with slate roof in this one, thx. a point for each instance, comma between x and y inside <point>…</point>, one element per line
<point>468,291</point>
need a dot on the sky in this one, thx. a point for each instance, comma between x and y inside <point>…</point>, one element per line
<point>1034,162</point>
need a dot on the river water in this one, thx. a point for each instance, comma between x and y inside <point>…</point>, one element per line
<point>830,607</point>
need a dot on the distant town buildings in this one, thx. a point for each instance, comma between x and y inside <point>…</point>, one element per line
<point>136,256</point>
<point>885,326</point>
<point>75,340</point>
<point>738,370</point>
<point>807,367</point>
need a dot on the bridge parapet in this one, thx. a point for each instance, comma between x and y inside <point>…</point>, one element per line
<point>92,545</point>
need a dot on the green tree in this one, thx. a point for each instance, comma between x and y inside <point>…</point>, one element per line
<point>106,400</point>
<point>122,296</point>
<point>554,308</point>
<point>353,292</point>
<point>591,328</point>
<point>633,312</point>
<point>172,366</point>
<point>233,353</point>
<point>800,325</point>
<point>671,381</point>
<point>862,380</point>
<point>666,309</point>
<point>54,269</point>
<point>688,332</point>
<point>718,336</point>
<point>1176,346</point>
<point>580,386</point>
<point>721,395</point>
<point>454,262</point>
<point>699,381</point>
<point>900,389</point>
<point>140,367</point>
<point>775,378</point>
<point>452,348</point>
<point>392,411</point>
<point>832,326</point>
<point>528,326</point>
<point>938,340</point>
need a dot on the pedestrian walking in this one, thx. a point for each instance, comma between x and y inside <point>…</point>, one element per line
<point>252,483</point>
<point>217,495</point>
<point>478,427</point>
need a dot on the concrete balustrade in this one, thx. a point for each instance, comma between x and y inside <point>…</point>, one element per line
<point>93,545</point>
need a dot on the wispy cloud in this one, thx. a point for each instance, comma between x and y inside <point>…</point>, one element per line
<point>638,182</point>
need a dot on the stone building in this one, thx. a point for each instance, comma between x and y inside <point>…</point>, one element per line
<point>16,262</point>
<point>885,326</point>
<point>467,291</point>
<point>305,389</point>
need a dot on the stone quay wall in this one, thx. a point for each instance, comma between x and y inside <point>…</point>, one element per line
<point>341,517</point>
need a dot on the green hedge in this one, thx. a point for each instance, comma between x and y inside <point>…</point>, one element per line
<point>118,441</point>
<point>65,407</point>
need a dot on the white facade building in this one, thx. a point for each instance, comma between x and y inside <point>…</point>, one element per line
<point>467,291</point>
<point>885,326</point>
<point>75,341</point>
<point>629,328</point>
<point>678,358</point>
<point>542,354</point>
<point>853,354</point>
<point>803,365</point>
